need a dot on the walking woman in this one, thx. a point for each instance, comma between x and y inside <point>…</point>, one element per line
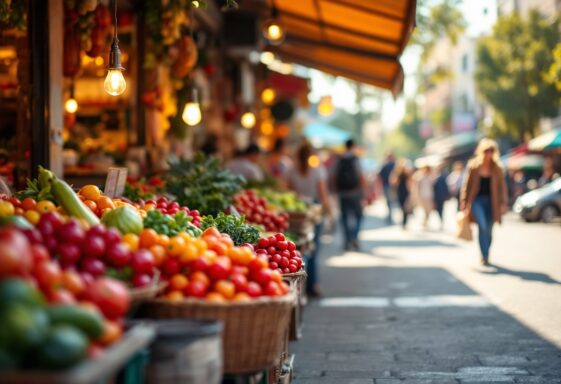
<point>425,192</point>
<point>484,193</point>
<point>310,183</point>
<point>401,180</point>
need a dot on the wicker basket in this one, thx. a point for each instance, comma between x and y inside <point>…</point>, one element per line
<point>138,295</point>
<point>298,282</point>
<point>254,331</point>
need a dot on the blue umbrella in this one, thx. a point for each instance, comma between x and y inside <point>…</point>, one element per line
<point>548,140</point>
<point>325,135</point>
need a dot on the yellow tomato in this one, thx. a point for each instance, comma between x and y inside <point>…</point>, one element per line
<point>178,282</point>
<point>149,207</point>
<point>201,245</point>
<point>159,253</point>
<point>90,192</point>
<point>6,208</point>
<point>176,246</point>
<point>190,253</point>
<point>215,297</point>
<point>32,216</point>
<point>241,296</point>
<point>185,236</point>
<point>174,296</point>
<point>132,241</point>
<point>142,213</point>
<point>45,206</point>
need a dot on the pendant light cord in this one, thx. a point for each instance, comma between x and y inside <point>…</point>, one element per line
<point>115,24</point>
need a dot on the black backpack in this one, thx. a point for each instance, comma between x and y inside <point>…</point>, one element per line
<point>347,177</point>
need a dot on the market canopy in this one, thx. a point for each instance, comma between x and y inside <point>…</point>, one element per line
<point>357,39</point>
<point>547,141</point>
<point>325,135</point>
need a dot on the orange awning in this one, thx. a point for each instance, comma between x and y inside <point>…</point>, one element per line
<point>358,39</point>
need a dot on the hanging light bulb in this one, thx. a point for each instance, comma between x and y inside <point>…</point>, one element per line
<point>71,105</point>
<point>268,96</point>
<point>115,83</point>
<point>248,120</point>
<point>325,106</point>
<point>192,111</point>
<point>273,29</point>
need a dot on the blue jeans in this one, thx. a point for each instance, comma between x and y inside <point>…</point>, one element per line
<point>388,197</point>
<point>351,206</point>
<point>483,215</point>
<point>311,259</point>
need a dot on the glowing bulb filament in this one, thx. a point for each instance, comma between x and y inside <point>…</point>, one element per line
<point>115,83</point>
<point>192,114</point>
<point>71,105</point>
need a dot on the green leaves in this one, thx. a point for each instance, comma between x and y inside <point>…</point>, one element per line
<point>239,231</point>
<point>202,184</point>
<point>170,225</point>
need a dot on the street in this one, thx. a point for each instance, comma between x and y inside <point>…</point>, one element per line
<point>415,307</point>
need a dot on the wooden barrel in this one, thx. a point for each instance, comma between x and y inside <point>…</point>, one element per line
<point>187,352</point>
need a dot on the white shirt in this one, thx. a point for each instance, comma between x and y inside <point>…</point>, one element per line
<point>306,186</point>
<point>245,168</point>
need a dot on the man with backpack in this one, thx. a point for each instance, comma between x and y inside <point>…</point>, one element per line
<point>349,186</point>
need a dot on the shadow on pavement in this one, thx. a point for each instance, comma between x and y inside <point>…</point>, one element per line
<point>530,276</point>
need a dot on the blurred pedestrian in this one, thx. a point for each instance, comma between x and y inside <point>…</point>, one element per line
<point>349,185</point>
<point>401,181</point>
<point>310,183</point>
<point>548,174</point>
<point>484,193</point>
<point>278,161</point>
<point>246,164</point>
<point>455,180</point>
<point>424,191</point>
<point>518,184</point>
<point>384,177</point>
<point>441,193</point>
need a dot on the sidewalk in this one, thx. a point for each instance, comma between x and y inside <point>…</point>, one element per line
<point>383,321</point>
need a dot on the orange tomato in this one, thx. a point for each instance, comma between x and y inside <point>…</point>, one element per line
<point>159,253</point>
<point>91,205</point>
<point>220,248</point>
<point>149,207</point>
<point>148,238</point>
<point>241,255</point>
<point>111,333</point>
<point>72,282</point>
<point>132,241</point>
<point>226,240</point>
<point>215,297</point>
<point>105,202</point>
<point>174,296</point>
<point>18,211</point>
<point>212,231</point>
<point>200,277</point>
<point>276,276</point>
<point>176,246</point>
<point>209,255</point>
<point>45,206</point>
<point>225,288</point>
<point>201,245</point>
<point>178,282</point>
<point>32,216</point>
<point>163,240</point>
<point>185,237</point>
<point>90,192</point>
<point>241,296</point>
<point>28,204</point>
<point>284,287</point>
<point>189,253</point>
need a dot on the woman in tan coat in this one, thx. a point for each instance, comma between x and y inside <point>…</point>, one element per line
<point>484,193</point>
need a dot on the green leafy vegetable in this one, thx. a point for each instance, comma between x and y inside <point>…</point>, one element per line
<point>239,231</point>
<point>170,225</point>
<point>203,184</point>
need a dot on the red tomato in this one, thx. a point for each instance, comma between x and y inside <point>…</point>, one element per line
<point>111,297</point>
<point>61,296</point>
<point>257,264</point>
<point>142,261</point>
<point>47,274</point>
<point>73,282</point>
<point>39,253</point>
<point>240,281</point>
<point>225,288</point>
<point>28,204</point>
<point>195,288</point>
<point>263,276</point>
<point>273,289</point>
<point>254,289</point>
<point>15,253</point>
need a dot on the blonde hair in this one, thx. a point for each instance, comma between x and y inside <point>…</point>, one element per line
<point>482,147</point>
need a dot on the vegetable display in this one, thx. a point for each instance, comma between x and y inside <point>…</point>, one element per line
<point>170,225</point>
<point>282,254</point>
<point>203,184</point>
<point>283,201</point>
<point>257,211</point>
<point>240,232</point>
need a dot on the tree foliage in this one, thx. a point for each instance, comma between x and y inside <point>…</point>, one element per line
<point>512,71</point>
<point>405,140</point>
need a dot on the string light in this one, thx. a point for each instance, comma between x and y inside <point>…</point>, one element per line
<point>192,114</point>
<point>268,96</point>
<point>115,83</point>
<point>248,120</point>
<point>325,106</point>
<point>273,29</point>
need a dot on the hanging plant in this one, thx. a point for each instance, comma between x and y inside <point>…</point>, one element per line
<point>80,18</point>
<point>13,15</point>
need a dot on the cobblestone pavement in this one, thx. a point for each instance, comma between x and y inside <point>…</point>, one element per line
<point>413,308</point>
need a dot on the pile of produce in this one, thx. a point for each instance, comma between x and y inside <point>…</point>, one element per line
<point>136,190</point>
<point>281,254</point>
<point>236,227</point>
<point>201,183</point>
<point>257,211</point>
<point>52,318</point>
<point>283,201</point>
<point>213,268</point>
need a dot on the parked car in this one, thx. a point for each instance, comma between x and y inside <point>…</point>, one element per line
<point>543,204</point>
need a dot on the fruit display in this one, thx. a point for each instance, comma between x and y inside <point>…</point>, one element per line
<point>165,206</point>
<point>235,227</point>
<point>282,254</point>
<point>283,201</point>
<point>257,211</point>
<point>136,190</point>
<point>171,225</point>
<point>214,269</point>
<point>52,318</point>
<point>201,183</point>
<point>126,219</point>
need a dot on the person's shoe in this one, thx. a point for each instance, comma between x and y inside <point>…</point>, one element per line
<point>355,245</point>
<point>484,263</point>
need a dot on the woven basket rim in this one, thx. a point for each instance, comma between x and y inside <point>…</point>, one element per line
<point>300,273</point>
<point>289,298</point>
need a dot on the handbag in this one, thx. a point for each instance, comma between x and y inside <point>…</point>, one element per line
<point>463,230</point>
